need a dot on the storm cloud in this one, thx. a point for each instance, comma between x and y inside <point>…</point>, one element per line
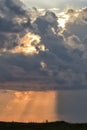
<point>37,53</point>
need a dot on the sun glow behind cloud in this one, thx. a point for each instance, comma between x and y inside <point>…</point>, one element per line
<point>63,18</point>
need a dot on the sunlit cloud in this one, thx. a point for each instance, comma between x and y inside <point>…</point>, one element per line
<point>29,44</point>
<point>43,65</point>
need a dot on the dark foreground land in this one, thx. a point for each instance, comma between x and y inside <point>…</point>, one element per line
<point>42,126</point>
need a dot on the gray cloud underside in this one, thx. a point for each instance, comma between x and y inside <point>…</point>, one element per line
<point>63,65</point>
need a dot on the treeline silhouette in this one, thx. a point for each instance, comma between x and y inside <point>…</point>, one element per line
<point>42,126</point>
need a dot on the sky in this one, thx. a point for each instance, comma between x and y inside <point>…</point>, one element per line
<point>61,4</point>
<point>41,52</point>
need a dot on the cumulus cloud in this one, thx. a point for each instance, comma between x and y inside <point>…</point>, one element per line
<point>40,54</point>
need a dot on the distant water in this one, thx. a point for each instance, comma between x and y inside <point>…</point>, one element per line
<point>39,106</point>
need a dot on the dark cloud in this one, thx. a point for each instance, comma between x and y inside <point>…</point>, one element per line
<point>15,7</point>
<point>46,22</point>
<point>7,26</point>
<point>14,20</point>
